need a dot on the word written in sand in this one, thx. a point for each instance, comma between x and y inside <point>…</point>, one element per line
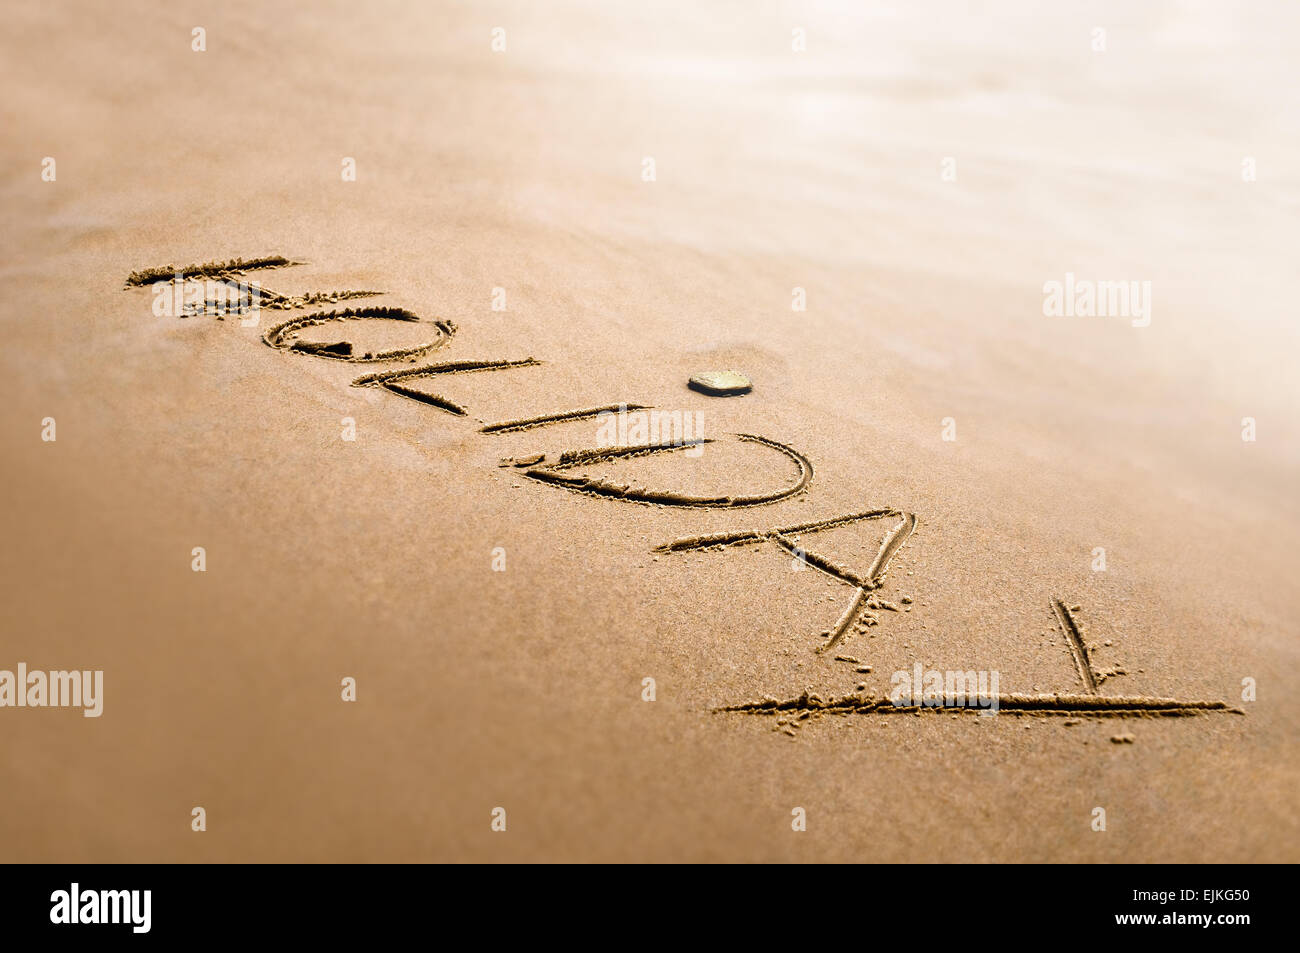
<point>559,471</point>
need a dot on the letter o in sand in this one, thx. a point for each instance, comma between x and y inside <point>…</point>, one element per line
<point>284,336</point>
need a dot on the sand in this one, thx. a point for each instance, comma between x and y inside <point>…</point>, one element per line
<point>863,229</point>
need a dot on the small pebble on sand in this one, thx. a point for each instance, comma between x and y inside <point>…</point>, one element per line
<point>721,383</point>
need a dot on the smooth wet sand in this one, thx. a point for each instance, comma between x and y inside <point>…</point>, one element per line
<point>523,170</point>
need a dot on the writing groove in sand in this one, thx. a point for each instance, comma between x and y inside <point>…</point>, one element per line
<point>211,269</point>
<point>863,584</point>
<point>283,336</point>
<point>395,382</point>
<point>1097,706</point>
<point>874,580</point>
<point>528,423</point>
<point>1088,704</point>
<point>249,298</point>
<point>556,473</point>
<point>1078,648</point>
<point>240,297</point>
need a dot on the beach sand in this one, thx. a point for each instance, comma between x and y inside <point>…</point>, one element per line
<point>775,172</point>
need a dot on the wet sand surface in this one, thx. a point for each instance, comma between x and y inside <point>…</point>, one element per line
<point>774,172</point>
